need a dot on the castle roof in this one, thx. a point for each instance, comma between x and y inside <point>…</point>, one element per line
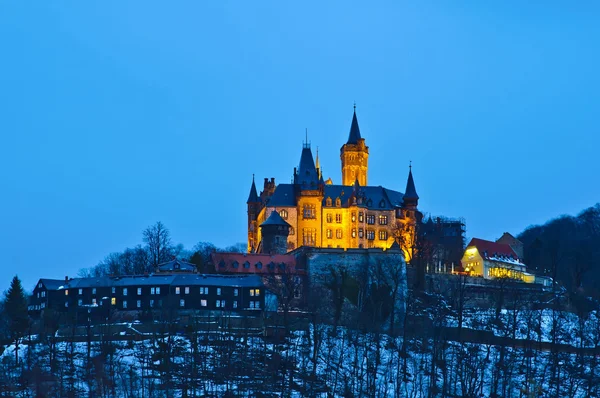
<point>253,196</point>
<point>274,219</point>
<point>307,175</point>
<point>354,135</point>
<point>411,192</point>
<point>373,197</point>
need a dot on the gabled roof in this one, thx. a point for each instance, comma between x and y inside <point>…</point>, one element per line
<point>275,219</point>
<point>488,249</point>
<point>177,266</point>
<point>253,196</point>
<point>354,135</point>
<point>52,284</point>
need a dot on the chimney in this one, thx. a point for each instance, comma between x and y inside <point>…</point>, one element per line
<point>66,278</point>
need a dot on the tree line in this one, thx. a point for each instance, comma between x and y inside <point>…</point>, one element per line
<point>157,248</point>
<point>567,248</point>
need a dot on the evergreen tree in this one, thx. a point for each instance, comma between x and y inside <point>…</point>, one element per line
<point>15,308</point>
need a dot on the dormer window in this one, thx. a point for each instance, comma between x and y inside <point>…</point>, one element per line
<point>246,264</point>
<point>235,264</point>
<point>328,202</point>
<point>338,202</point>
<point>259,265</point>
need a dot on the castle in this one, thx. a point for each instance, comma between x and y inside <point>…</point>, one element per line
<point>349,215</point>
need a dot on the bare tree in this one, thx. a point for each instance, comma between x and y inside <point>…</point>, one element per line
<point>158,243</point>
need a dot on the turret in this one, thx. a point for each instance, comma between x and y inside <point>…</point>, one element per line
<point>254,206</point>
<point>275,232</point>
<point>411,199</point>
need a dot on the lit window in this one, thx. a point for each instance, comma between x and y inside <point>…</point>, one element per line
<point>218,291</point>
<point>338,233</point>
<point>353,217</point>
<point>152,290</point>
<point>383,235</point>
<point>354,232</point>
<point>328,202</point>
<point>124,303</point>
<point>80,291</point>
<point>292,231</point>
<point>329,217</point>
<point>94,291</point>
<point>94,301</point>
<point>309,236</point>
<point>370,234</point>
<point>338,202</point>
<point>182,303</point>
<point>370,219</point>
<point>257,292</point>
<point>80,302</point>
<point>139,303</point>
<point>124,291</point>
<point>361,217</point>
<point>203,303</point>
<point>308,211</point>
<point>113,301</point>
<point>177,290</point>
<point>235,292</point>
<point>283,214</point>
<point>158,290</point>
<point>66,304</point>
<point>329,234</point>
<point>139,291</point>
<point>187,290</point>
<point>338,218</point>
<point>383,220</point>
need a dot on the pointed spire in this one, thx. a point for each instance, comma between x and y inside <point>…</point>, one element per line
<point>354,135</point>
<point>318,165</point>
<point>410,192</point>
<point>253,196</point>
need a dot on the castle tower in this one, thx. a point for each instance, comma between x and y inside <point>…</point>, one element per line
<point>254,206</point>
<point>355,156</point>
<point>275,232</point>
<point>411,199</point>
<point>308,188</point>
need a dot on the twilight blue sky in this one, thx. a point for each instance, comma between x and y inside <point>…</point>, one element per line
<point>116,114</point>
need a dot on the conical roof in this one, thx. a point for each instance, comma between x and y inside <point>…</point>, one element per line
<point>354,135</point>
<point>253,196</point>
<point>410,192</point>
<point>307,172</point>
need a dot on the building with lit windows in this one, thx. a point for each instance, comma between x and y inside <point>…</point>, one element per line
<point>497,260</point>
<point>348,215</point>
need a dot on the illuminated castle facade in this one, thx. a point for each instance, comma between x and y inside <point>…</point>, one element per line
<point>322,214</point>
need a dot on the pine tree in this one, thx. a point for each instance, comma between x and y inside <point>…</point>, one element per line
<point>15,308</point>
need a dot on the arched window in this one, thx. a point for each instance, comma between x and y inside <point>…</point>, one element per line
<point>284,214</point>
<point>328,202</point>
<point>338,202</point>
